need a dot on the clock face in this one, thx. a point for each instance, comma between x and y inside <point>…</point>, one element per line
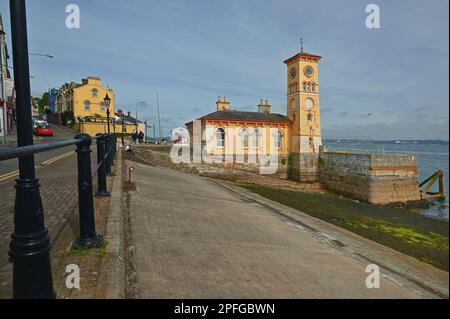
<point>309,104</point>
<point>294,103</point>
<point>309,71</point>
<point>293,72</point>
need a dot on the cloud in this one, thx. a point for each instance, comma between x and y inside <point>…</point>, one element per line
<point>192,52</point>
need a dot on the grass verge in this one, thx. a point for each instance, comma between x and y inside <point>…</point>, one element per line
<point>410,233</point>
<point>84,251</point>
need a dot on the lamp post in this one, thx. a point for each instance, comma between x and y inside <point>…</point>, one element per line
<point>123,130</point>
<point>107,101</point>
<point>144,103</point>
<point>2,88</point>
<point>30,243</point>
<point>145,124</point>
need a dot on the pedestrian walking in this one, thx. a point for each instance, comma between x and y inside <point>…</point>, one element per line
<point>141,137</point>
<point>134,137</point>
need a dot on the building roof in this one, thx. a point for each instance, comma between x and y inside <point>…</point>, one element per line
<point>127,118</point>
<point>246,116</point>
<point>303,55</point>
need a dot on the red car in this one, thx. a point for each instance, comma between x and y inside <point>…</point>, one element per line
<point>42,129</point>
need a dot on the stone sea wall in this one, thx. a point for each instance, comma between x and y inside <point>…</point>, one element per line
<point>375,178</point>
<point>371,177</point>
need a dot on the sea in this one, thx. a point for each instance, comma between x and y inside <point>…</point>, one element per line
<point>432,155</point>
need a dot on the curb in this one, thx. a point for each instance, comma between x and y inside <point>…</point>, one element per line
<point>113,266</point>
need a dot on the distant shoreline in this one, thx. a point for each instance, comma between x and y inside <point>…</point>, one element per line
<point>394,141</point>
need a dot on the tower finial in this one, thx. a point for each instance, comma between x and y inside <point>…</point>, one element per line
<point>301,45</point>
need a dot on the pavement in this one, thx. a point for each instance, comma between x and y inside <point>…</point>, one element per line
<point>194,237</point>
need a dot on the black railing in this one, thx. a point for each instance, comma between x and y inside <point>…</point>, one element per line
<point>30,245</point>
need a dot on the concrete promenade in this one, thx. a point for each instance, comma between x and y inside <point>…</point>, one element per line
<point>193,237</point>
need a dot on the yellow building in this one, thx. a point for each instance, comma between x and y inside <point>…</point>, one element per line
<point>303,103</point>
<point>230,132</point>
<point>86,102</point>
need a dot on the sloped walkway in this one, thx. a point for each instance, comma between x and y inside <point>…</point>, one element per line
<point>194,238</point>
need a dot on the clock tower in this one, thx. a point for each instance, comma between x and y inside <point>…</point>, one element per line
<point>303,104</point>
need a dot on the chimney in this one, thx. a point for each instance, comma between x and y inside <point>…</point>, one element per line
<point>222,105</point>
<point>261,106</point>
<point>119,112</point>
<point>264,106</point>
<point>267,107</point>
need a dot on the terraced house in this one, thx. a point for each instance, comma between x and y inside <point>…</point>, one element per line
<point>82,105</point>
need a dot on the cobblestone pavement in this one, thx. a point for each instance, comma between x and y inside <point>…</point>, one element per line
<point>60,201</point>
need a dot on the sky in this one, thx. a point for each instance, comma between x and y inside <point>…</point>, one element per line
<point>191,52</point>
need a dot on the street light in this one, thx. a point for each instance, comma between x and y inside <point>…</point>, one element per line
<point>123,129</point>
<point>30,244</point>
<point>107,101</point>
<point>144,103</point>
<point>47,55</point>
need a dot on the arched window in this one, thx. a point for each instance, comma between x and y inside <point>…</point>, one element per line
<point>310,117</point>
<point>102,106</point>
<point>278,139</point>
<point>87,105</point>
<point>94,93</point>
<point>220,137</point>
<point>304,86</point>
<point>244,137</point>
<point>311,143</point>
<point>255,137</point>
<point>314,87</point>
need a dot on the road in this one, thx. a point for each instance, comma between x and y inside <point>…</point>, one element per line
<point>57,173</point>
<point>194,238</point>
<point>8,169</point>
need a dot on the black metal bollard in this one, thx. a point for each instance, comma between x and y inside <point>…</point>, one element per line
<point>115,146</point>
<point>113,155</point>
<point>88,237</point>
<point>30,245</point>
<point>109,154</point>
<point>101,174</point>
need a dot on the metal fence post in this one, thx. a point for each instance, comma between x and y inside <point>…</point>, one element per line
<point>101,174</point>
<point>115,146</point>
<point>109,154</point>
<point>30,244</point>
<point>88,236</point>
<point>111,136</point>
